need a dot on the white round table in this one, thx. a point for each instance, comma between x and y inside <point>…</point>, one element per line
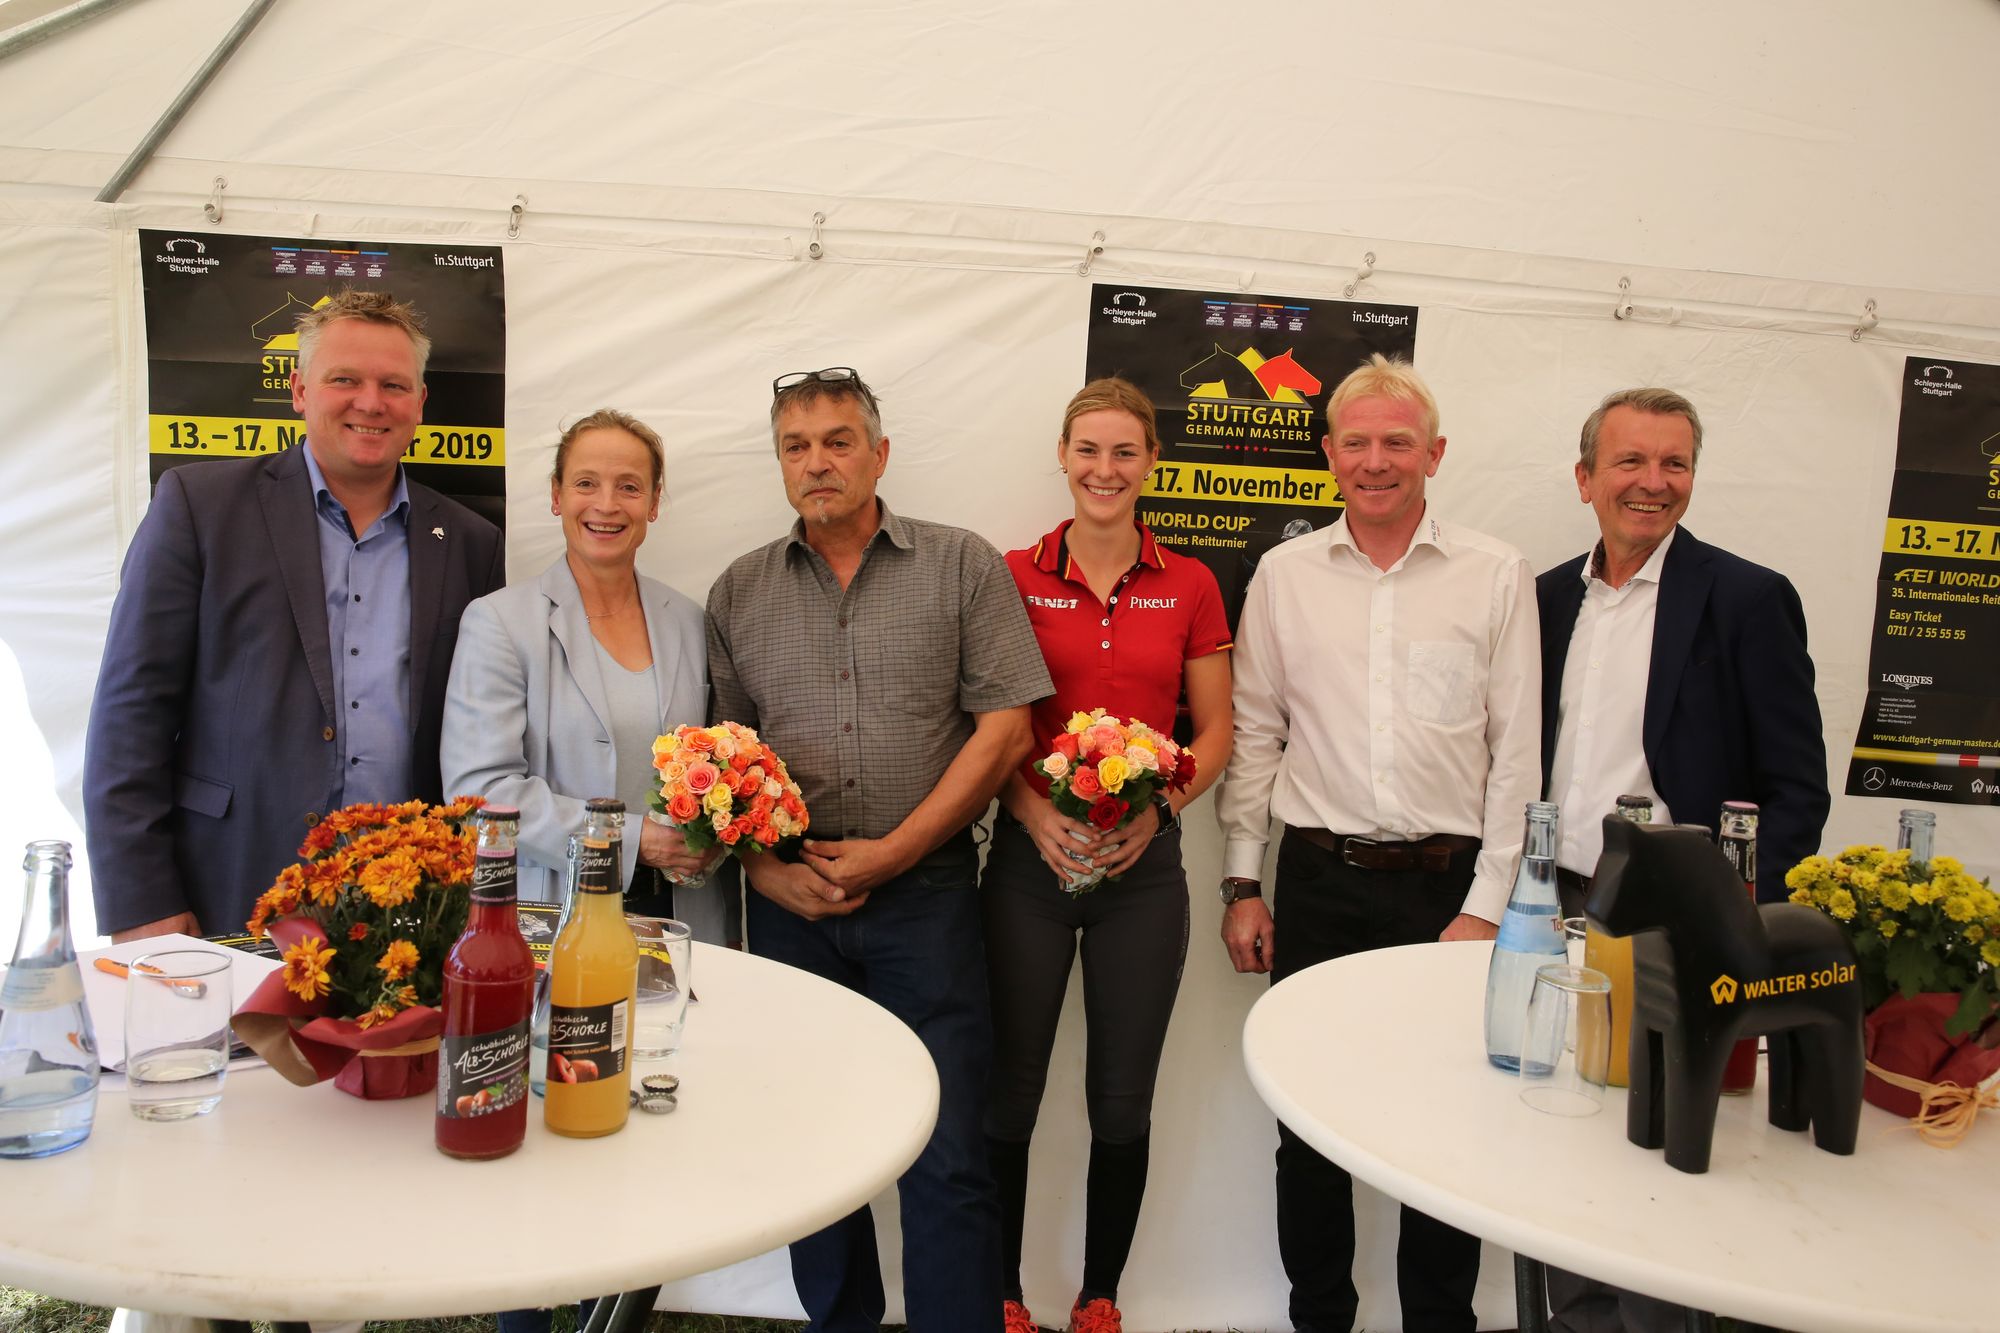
<point>799,1102</point>
<point>1378,1061</point>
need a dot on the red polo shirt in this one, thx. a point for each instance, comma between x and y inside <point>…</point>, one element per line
<point>1124,656</point>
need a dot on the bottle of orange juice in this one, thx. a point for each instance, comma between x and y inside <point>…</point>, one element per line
<point>1613,957</point>
<point>593,980</point>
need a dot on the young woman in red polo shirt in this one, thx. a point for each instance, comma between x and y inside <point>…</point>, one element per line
<point>1125,626</point>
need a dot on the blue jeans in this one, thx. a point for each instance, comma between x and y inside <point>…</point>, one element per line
<point>915,949</point>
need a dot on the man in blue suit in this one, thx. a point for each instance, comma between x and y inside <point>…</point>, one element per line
<point>281,640</point>
<point>1672,669</point>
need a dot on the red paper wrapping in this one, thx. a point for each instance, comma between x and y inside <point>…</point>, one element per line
<point>306,1046</point>
<point>1907,1037</point>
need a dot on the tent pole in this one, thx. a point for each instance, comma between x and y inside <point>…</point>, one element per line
<point>172,115</point>
<point>55,23</point>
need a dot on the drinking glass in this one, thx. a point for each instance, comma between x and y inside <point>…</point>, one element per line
<point>1575,929</point>
<point>1566,1047</point>
<point>177,1007</point>
<point>665,949</point>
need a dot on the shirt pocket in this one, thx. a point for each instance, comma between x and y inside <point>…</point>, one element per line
<point>1438,681</point>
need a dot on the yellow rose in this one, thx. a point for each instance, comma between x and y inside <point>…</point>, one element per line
<point>1078,722</point>
<point>1112,770</point>
<point>666,745</point>
<point>718,801</point>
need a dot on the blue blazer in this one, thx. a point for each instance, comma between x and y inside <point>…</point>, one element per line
<point>210,752</point>
<point>1730,711</point>
<point>527,722</point>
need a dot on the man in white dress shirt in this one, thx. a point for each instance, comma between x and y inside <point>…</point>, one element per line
<point>1671,670</point>
<point>1388,710</point>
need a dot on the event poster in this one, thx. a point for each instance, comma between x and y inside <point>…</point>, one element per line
<point>221,346</point>
<point>1930,730</point>
<point>1240,384</point>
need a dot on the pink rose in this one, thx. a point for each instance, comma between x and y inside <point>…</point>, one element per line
<point>1055,765</point>
<point>1084,782</point>
<point>702,775</point>
<point>1106,740</point>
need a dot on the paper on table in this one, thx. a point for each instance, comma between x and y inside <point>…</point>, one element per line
<point>106,994</point>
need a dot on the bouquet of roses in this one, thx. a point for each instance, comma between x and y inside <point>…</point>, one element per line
<point>363,923</point>
<point>1104,770</point>
<point>721,784</point>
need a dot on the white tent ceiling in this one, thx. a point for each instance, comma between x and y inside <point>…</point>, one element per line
<point>1804,139</point>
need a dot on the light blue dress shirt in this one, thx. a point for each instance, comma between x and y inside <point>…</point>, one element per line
<point>367,581</point>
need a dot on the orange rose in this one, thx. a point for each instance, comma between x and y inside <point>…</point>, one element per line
<point>740,760</point>
<point>683,808</point>
<point>730,836</point>
<point>699,741</point>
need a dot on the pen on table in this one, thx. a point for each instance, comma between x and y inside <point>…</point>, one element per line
<point>194,990</point>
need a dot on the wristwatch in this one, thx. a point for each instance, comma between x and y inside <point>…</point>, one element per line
<point>1169,821</point>
<point>1235,889</point>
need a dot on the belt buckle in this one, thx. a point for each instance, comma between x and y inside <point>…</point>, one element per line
<point>1351,846</point>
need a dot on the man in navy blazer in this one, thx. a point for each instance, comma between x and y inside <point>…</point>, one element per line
<point>1728,711</point>
<point>281,640</point>
<point>1675,670</point>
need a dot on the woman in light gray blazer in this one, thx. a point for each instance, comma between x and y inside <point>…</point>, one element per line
<point>559,686</point>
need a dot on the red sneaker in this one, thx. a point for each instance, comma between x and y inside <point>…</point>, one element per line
<point>1100,1316</point>
<point>1017,1319</point>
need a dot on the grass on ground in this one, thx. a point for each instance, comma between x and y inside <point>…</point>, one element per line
<point>26,1312</point>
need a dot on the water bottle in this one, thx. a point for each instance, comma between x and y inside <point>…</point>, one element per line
<point>1917,831</point>
<point>1530,935</point>
<point>48,1052</point>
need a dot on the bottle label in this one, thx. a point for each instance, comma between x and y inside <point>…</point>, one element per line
<point>1742,854</point>
<point>586,1042</point>
<point>597,867</point>
<point>494,878</point>
<point>28,989</point>
<point>1531,928</point>
<point>482,1073</point>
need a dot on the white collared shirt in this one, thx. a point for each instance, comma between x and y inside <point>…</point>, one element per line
<point>1601,714</point>
<point>1390,703</point>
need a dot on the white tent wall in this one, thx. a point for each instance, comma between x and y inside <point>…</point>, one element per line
<point>1759,172</point>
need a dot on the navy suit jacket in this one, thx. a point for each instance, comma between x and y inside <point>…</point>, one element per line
<point>210,751</point>
<point>1730,711</point>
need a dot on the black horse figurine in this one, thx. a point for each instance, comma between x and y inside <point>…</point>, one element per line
<point>1712,967</point>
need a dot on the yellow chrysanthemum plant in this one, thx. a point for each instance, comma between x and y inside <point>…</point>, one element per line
<point>1927,939</point>
<point>362,923</point>
<point>1916,929</point>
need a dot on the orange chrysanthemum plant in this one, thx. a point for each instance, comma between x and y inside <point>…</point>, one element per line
<point>363,923</point>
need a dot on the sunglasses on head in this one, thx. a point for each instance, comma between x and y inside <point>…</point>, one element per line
<point>831,375</point>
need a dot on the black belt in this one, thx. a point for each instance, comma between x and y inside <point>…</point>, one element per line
<point>1433,854</point>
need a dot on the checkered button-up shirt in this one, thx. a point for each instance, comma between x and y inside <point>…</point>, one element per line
<point>867,693</point>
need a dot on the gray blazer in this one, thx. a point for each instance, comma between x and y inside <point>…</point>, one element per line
<point>526,722</point>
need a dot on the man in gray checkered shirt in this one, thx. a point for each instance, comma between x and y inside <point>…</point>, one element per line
<point>889,662</point>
